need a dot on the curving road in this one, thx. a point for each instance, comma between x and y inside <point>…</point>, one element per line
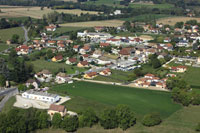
<point>8,94</point>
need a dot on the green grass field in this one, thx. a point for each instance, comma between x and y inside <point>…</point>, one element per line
<point>3,47</point>
<point>54,66</point>
<point>159,6</point>
<point>9,104</point>
<point>6,34</point>
<point>192,76</point>
<point>105,2</point>
<point>65,30</point>
<point>146,17</point>
<point>140,100</point>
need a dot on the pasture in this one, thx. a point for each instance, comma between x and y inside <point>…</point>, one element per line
<point>36,12</point>
<point>140,101</point>
<point>192,76</point>
<point>106,23</point>
<point>54,66</point>
<point>174,20</point>
<point>6,34</point>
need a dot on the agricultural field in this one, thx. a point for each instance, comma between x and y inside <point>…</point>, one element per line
<point>36,12</point>
<point>6,34</point>
<point>140,100</point>
<point>54,67</point>
<point>174,20</point>
<point>109,23</point>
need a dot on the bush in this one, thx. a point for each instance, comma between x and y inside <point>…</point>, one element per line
<point>151,119</point>
<point>70,123</point>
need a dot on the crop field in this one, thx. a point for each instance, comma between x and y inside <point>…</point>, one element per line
<point>6,34</point>
<point>140,101</point>
<point>36,12</point>
<point>54,67</point>
<point>108,23</point>
<point>174,20</point>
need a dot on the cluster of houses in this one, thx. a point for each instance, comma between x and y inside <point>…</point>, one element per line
<point>150,80</point>
<point>93,74</point>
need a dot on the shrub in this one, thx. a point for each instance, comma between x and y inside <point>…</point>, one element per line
<point>151,119</point>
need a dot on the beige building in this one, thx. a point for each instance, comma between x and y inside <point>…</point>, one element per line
<point>57,109</point>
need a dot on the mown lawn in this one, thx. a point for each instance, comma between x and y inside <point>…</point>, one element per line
<point>6,34</point>
<point>141,101</point>
<point>54,66</point>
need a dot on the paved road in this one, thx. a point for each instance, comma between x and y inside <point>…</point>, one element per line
<point>25,35</point>
<point>8,94</point>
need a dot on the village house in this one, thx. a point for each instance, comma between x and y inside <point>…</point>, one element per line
<point>61,47</point>
<point>41,96</point>
<point>83,64</point>
<point>99,28</point>
<point>51,43</point>
<point>178,69</point>
<point>85,49</point>
<point>71,61</point>
<point>90,75</point>
<point>105,72</point>
<point>57,109</point>
<point>103,45</point>
<point>23,50</point>
<point>167,40</point>
<point>103,60</point>
<point>32,82</point>
<point>57,58</point>
<point>76,48</point>
<point>51,27</point>
<point>97,53</point>
<point>43,76</point>
<point>126,52</point>
<point>62,78</point>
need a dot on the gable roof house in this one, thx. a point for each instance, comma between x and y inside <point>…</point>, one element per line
<point>43,76</point>
<point>51,27</point>
<point>32,82</point>
<point>57,109</point>
<point>125,52</point>
<point>179,69</point>
<point>62,78</point>
<point>85,49</point>
<point>71,61</point>
<point>105,72</point>
<point>103,45</point>
<point>57,58</point>
<point>23,50</point>
<point>83,64</point>
<point>76,48</point>
<point>90,75</point>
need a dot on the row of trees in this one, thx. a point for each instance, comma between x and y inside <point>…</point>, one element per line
<point>23,121</point>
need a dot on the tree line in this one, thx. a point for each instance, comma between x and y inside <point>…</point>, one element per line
<point>24,121</point>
